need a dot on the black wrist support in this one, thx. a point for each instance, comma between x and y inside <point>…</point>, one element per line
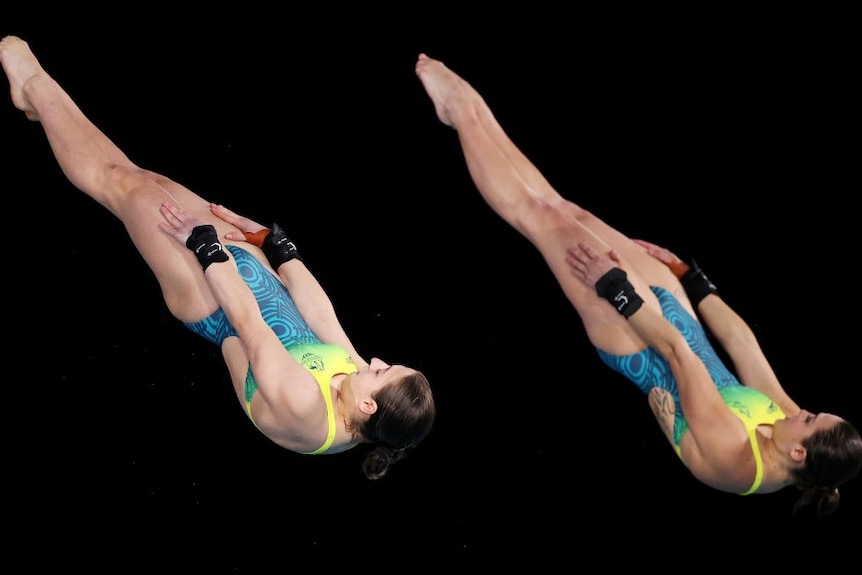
<point>615,287</point>
<point>278,248</point>
<point>697,285</point>
<point>203,241</point>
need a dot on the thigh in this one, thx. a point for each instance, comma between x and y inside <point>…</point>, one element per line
<point>179,274</point>
<point>553,227</point>
<point>635,260</point>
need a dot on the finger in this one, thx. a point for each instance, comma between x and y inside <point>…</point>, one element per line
<point>652,249</point>
<point>227,211</point>
<point>168,214</point>
<point>235,236</point>
<point>576,271</point>
<point>645,244</point>
<point>223,213</point>
<point>590,252</point>
<point>580,265</point>
<point>174,210</point>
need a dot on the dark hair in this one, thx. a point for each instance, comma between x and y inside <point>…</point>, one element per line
<point>404,416</point>
<point>834,456</point>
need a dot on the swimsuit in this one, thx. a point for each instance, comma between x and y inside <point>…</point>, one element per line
<point>647,369</point>
<point>276,306</point>
<point>323,361</point>
<point>752,408</point>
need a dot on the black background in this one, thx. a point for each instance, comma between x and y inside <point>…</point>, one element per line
<point>729,136</point>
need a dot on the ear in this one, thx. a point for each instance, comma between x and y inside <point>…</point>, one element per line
<point>798,453</point>
<point>368,406</point>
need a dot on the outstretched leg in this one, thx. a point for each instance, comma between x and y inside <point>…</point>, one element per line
<point>520,194</point>
<point>506,179</point>
<point>96,166</point>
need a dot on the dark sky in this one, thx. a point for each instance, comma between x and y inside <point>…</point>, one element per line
<point>732,138</point>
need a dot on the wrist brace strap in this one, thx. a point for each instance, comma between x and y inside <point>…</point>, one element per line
<point>203,241</point>
<point>678,267</point>
<point>278,248</point>
<point>615,287</point>
<point>697,285</point>
<point>256,238</point>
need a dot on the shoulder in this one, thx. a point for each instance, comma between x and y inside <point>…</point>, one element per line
<point>724,465</point>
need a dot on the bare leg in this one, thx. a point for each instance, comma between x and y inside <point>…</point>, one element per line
<point>519,193</point>
<point>93,164</point>
<point>506,179</point>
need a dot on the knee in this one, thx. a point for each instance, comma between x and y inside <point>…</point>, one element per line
<point>578,214</point>
<point>123,178</point>
<point>131,187</point>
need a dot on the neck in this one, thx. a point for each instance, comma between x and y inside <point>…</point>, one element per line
<point>776,464</point>
<point>343,411</point>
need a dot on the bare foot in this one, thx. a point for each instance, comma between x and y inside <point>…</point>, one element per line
<point>20,64</point>
<point>440,83</point>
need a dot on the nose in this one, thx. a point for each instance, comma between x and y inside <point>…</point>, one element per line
<point>802,415</point>
<point>377,363</point>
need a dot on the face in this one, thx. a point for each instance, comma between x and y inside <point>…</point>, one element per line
<point>368,380</point>
<point>794,430</point>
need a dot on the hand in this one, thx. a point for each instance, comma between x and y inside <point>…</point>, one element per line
<point>178,222</point>
<point>587,265</point>
<point>252,231</point>
<point>665,256</point>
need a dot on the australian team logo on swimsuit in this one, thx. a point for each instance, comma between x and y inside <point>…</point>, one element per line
<point>312,361</point>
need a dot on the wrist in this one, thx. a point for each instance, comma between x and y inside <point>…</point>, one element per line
<point>697,286</point>
<point>204,243</point>
<point>278,248</point>
<point>678,268</point>
<point>615,287</point>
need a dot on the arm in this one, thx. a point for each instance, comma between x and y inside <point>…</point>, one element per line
<point>731,331</point>
<point>716,431</point>
<point>311,300</point>
<point>283,383</point>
